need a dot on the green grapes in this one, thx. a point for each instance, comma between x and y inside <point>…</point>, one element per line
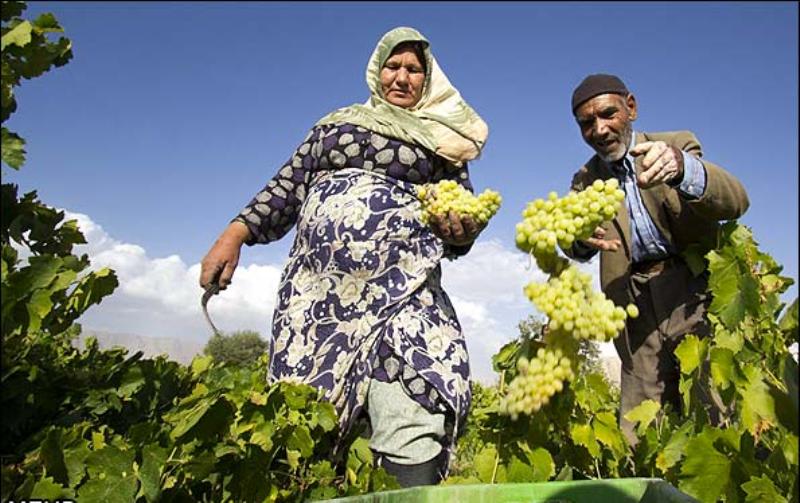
<point>538,379</point>
<point>575,309</point>
<point>446,196</point>
<point>562,221</point>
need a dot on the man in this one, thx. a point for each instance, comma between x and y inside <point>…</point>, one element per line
<point>673,199</point>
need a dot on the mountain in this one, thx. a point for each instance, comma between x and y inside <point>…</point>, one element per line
<point>180,350</point>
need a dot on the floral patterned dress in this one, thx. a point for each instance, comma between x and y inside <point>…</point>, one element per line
<point>360,296</point>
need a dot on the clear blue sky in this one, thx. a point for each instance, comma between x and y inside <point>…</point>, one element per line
<point>173,114</point>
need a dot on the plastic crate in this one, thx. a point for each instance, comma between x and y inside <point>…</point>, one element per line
<point>632,490</point>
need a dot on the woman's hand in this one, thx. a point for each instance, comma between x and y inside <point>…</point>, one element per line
<point>454,230</point>
<point>223,257</point>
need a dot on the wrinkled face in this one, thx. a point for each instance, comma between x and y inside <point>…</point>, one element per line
<point>403,77</point>
<point>605,123</point>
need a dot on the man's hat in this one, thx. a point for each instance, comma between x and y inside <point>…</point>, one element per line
<point>595,85</point>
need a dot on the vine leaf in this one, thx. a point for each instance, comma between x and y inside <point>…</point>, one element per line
<point>484,463</point>
<point>673,451</point>
<point>48,489</point>
<point>762,490</point>
<point>735,289</point>
<point>607,432</point>
<point>644,414</point>
<point>153,459</point>
<point>691,352</point>
<point>583,434</point>
<point>758,404</point>
<point>723,367</point>
<point>543,466</point>
<point>19,35</point>
<point>112,478</point>
<point>13,149</point>
<point>705,471</point>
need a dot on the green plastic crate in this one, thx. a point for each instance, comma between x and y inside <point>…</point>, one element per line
<point>633,490</point>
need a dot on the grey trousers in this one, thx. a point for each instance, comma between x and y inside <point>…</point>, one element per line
<point>672,304</point>
<point>403,431</point>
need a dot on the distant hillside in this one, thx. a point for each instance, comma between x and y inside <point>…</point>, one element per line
<point>180,350</point>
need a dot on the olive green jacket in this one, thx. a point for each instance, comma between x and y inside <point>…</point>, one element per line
<point>682,221</point>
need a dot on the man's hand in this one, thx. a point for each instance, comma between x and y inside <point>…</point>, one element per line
<point>599,241</point>
<point>662,163</point>
<point>454,230</point>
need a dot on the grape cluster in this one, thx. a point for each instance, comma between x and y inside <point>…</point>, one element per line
<point>575,309</point>
<point>563,220</point>
<point>538,379</point>
<point>446,196</point>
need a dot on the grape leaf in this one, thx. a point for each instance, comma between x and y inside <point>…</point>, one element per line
<point>13,149</point>
<point>762,490</point>
<point>788,323</point>
<point>153,459</point>
<point>673,450</point>
<point>705,472</point>
<point>723,367</point>
<point>111,477</point>
<point>583,434</point>
<point>301,440</point>
<point>542,463</point>
<point>607,432</point>
<point>19,35</point>
<point>758,405</point>
<point>484,463</point>
<point>691,352</point>
<point>52,455</point>
<point>735,290</point>
<point>644,414</point>
<point>519,471</point>
<point>48,489</point>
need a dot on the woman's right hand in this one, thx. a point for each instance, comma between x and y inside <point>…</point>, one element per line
<point>223,257</point>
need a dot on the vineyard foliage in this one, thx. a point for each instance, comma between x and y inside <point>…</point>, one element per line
<point>103,426</point>
<point>750,455</point>
<point>108,426</point>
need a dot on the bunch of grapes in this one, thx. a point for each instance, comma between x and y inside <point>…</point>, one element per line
<point>575,309</point>
<point>563,220</point>
<point>447,196</point>
<point>538,379</point>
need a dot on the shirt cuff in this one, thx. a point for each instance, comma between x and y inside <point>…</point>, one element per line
<point>693,184</point>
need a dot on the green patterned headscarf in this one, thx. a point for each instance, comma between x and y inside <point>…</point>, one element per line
<point>441,121</point>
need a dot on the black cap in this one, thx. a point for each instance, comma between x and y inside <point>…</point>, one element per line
<point>595,85</point>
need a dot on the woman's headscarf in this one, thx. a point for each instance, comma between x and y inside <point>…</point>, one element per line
<point>441,121</point>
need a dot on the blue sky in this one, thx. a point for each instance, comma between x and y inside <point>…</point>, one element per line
<point>172,115</point>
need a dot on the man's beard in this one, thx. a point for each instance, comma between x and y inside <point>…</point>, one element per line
<point>622,148</point>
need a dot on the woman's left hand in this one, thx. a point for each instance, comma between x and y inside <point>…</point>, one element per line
<point>454,230</point>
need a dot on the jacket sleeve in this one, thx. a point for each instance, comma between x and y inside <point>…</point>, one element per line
<point>725,197</point>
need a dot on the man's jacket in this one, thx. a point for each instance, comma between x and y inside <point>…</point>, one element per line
<point>682,221</point>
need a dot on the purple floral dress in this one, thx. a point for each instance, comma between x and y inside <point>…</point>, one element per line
<point>360,296</point>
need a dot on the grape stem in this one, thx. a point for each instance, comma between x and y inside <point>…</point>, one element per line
<point>499,433</point>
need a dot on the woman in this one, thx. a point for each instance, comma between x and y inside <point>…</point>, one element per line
<point>361,312</point>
